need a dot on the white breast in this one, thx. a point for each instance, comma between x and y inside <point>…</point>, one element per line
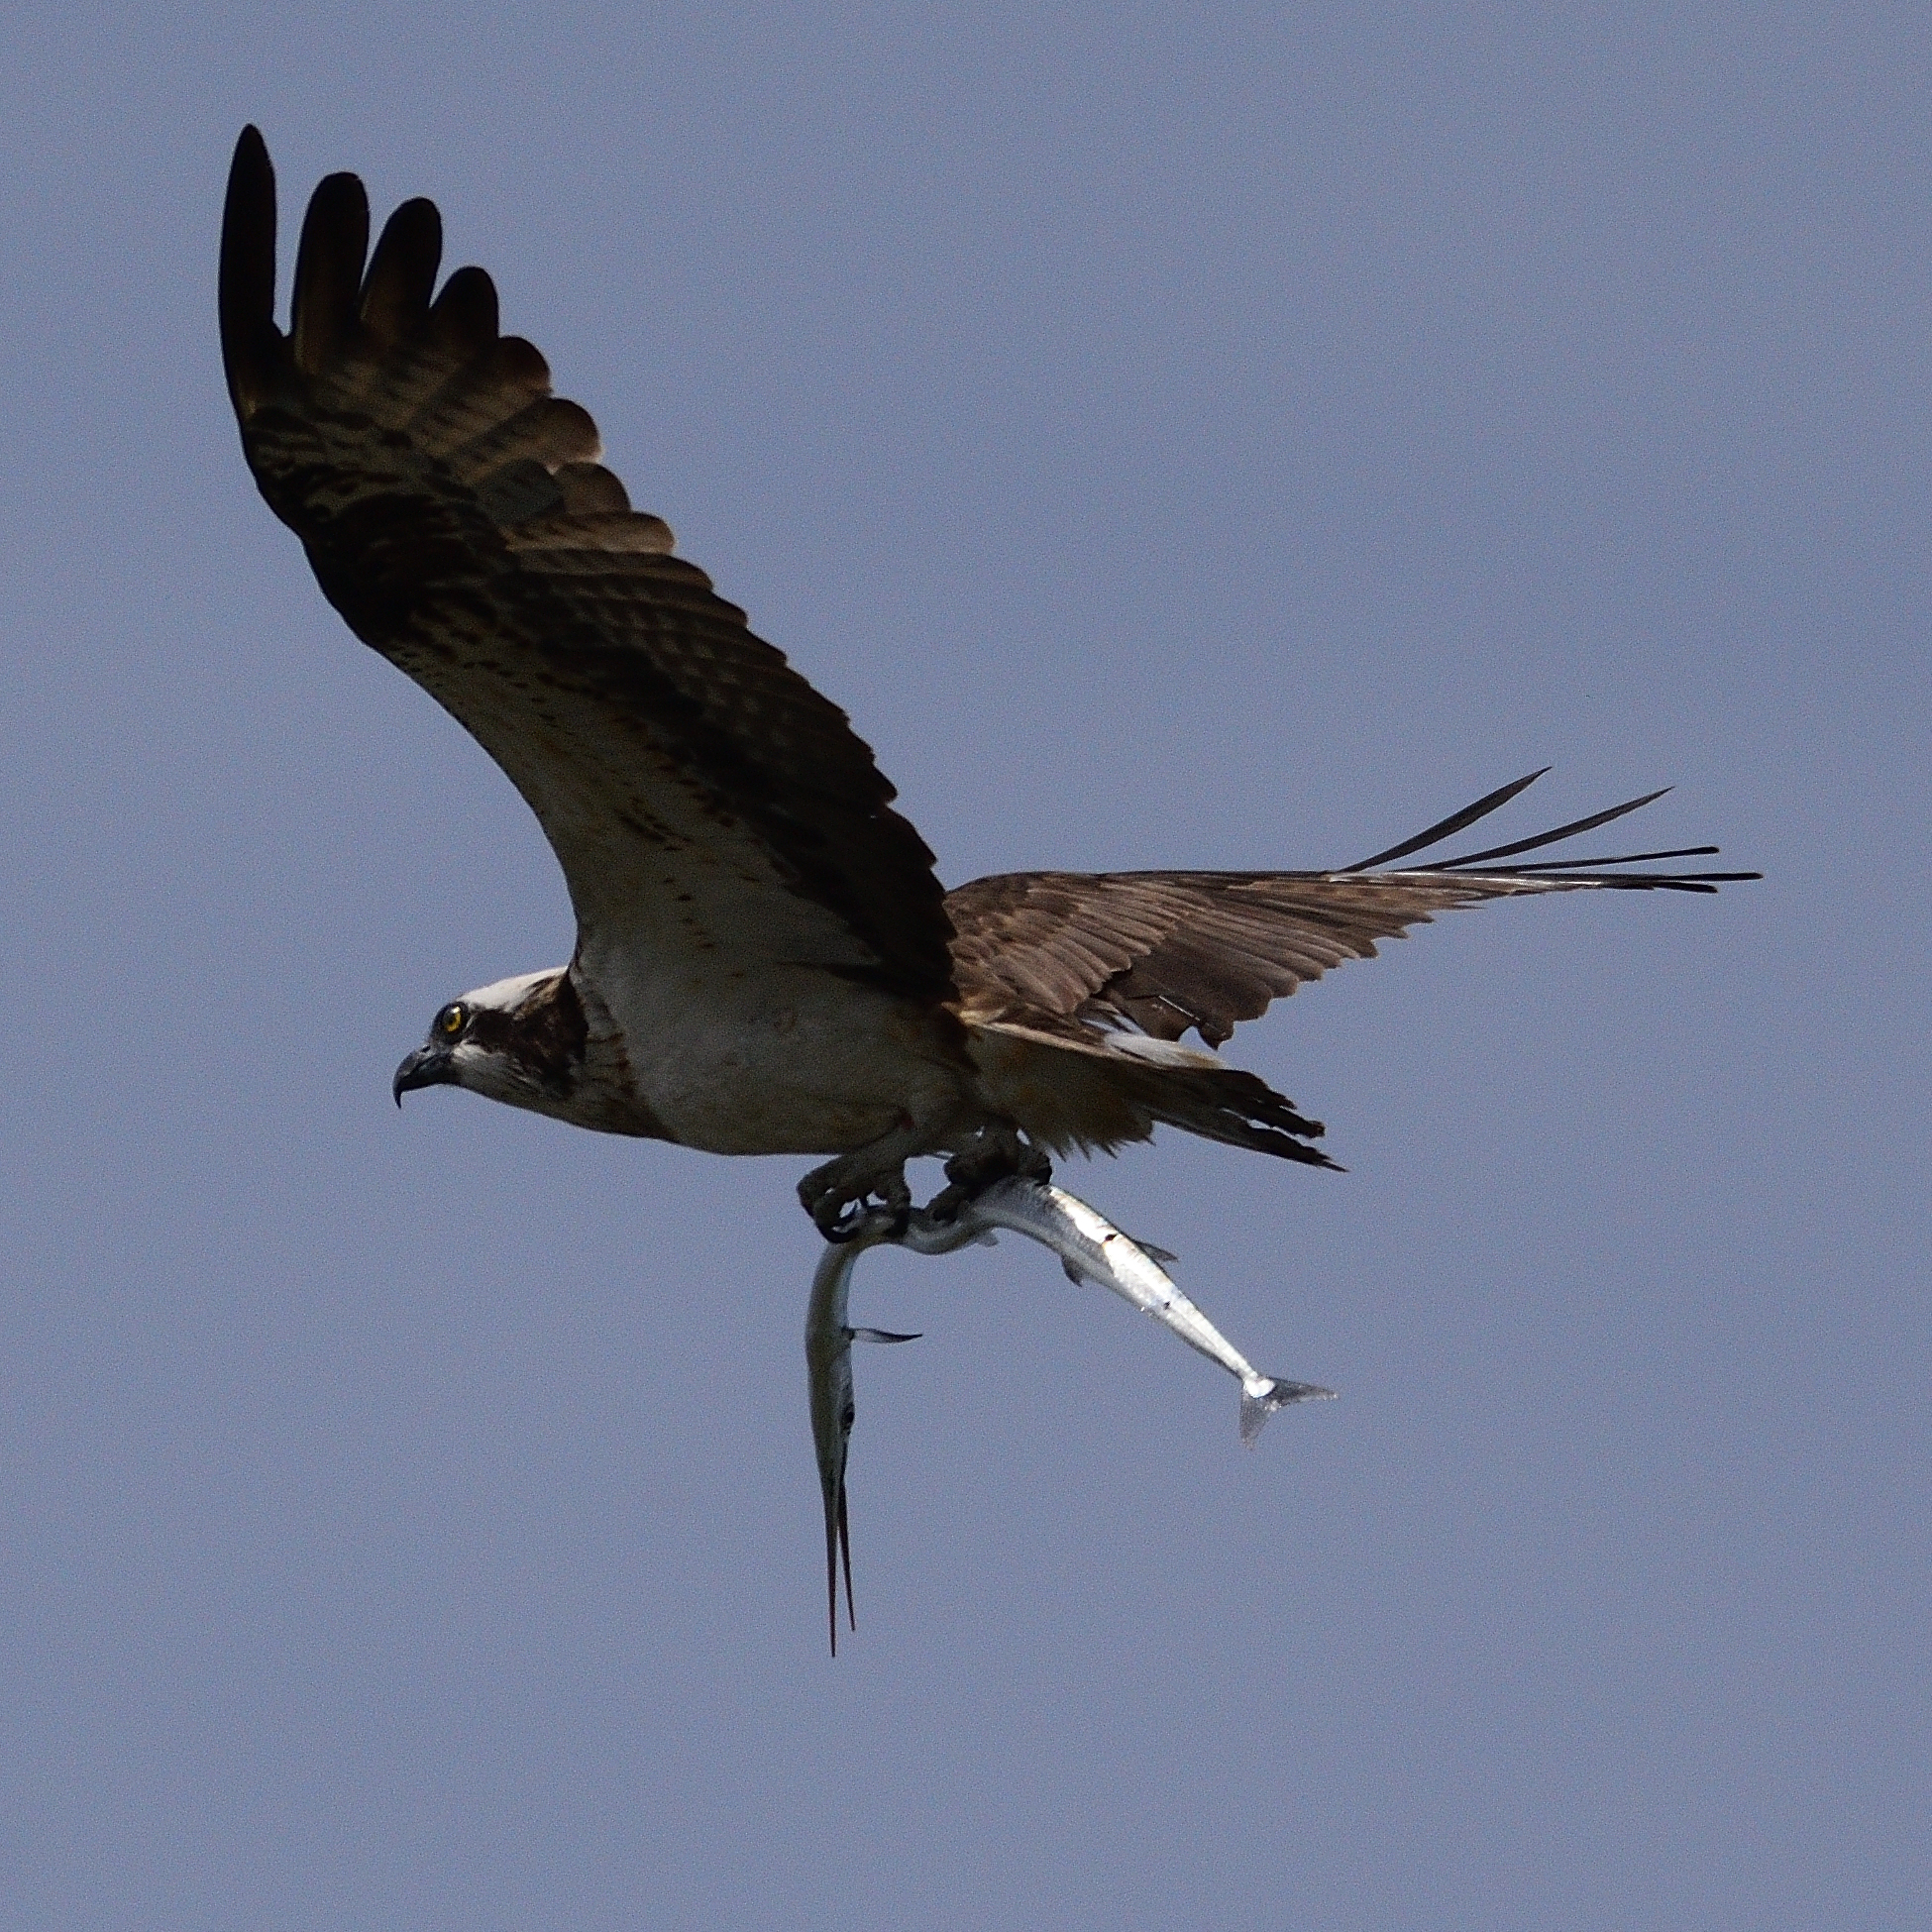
<point>765,1059</point>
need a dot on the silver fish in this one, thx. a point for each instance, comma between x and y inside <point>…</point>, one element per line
<point>828,1340</point>
<point>1090,1248</point>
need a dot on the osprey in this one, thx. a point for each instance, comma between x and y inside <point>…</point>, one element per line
<point>766,962</point>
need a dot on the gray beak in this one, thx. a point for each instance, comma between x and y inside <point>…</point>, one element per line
<point>428,1066</point>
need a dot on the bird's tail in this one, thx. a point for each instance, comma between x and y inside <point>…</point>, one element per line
<point>1220,1102</point>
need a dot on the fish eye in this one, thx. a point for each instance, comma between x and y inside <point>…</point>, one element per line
<point>452,1019</point>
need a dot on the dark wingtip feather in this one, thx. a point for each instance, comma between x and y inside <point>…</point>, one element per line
<point>1450,826</point>
<point>329,271</point>
<point>463,316</point>
<point>1670,882</point>
<point>402,272</point>
<point>1556,872</point>
<point>1575,825</point>
<point>250,339</point>
<point>1619,858</point>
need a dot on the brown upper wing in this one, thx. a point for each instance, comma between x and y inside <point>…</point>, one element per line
<point>1164,951</point>
<point>1170,950</point>
<point>700,795</point>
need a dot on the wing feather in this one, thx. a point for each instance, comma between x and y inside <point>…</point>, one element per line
<point>329,274</point>
<point>401,278</point>
<point>456,513</point>
<point>1166,951</point>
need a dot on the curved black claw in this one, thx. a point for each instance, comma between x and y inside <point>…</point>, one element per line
<point>841,1221</point>
<point>844,1195</point>
<point>944,1205</point>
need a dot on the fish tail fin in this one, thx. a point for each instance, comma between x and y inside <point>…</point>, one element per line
<point>1262,1395</point>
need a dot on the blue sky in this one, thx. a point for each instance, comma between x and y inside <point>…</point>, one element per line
<point>1212,438</point>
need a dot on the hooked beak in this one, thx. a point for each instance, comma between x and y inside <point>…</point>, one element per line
<point>429,1066</point>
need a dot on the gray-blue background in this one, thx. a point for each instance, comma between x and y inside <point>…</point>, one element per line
<point>1206,436</point>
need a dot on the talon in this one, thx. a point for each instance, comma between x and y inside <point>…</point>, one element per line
<point>898,1197</point>
<point>944,1205</point>
<point>838,1220</point>
<point>850,1195</point>
<point>841,1219</point>
<point>994,1155</point>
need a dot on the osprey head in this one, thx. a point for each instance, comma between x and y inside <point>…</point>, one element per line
<point>521,1040</point>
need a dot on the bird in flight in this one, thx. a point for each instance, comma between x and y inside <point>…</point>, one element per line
<point>766,962</point>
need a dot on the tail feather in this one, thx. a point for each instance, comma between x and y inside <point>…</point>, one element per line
<point>1079,1086</point>
<point>1235,1107</point>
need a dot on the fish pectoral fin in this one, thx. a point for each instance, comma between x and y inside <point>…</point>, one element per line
<point>879,1335</point>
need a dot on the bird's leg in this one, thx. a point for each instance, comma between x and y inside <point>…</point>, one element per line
<point>837,1195</point>
<point>992,1154</point>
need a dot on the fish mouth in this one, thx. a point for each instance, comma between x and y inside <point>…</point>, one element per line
<point>433,1065</point>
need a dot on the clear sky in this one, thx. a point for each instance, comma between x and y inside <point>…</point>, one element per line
<point>1219,436</point>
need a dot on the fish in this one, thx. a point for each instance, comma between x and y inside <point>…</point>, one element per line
<point>1090,1248</point>
<point>828,1340</point>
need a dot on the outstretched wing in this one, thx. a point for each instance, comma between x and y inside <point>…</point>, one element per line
<point>700,795</point>
<point>1164,951</point>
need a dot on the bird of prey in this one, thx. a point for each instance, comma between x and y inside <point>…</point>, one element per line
<point>766,962</point>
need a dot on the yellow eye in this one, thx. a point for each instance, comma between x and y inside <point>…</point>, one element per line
<point>449,1022</point>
